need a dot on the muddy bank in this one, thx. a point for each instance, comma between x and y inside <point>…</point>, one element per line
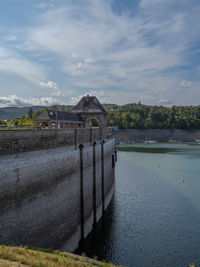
<point>159,135</point>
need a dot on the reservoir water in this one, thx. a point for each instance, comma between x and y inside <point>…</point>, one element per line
<point>154,217</point>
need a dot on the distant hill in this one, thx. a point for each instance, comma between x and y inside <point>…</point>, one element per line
<point>107,106</point>
<point>10,113</point>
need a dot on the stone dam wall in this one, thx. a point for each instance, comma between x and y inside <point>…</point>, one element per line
<point>54,186</point>
<point>161,135</point>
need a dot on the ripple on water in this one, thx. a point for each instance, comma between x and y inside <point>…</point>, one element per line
<point>153,219</point>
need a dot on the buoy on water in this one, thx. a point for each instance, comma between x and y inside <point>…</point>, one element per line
<point>182,180</point>
<point>158,165</point>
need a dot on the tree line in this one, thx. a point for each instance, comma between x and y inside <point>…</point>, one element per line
<point>20,122</point>
<point>134,116</point>
<point>138,116</point>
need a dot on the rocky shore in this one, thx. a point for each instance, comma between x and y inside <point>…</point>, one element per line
<point>156,135</point>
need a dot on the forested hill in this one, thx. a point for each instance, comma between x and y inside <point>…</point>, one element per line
<point>9,113</point>
<point>130,116</point>
<point>138,116</point>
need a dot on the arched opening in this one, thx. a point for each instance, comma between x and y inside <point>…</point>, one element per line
<point>92,123</point>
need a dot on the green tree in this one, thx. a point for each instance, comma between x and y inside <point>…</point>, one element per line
<point>144,116</point>
<point>30,113</point>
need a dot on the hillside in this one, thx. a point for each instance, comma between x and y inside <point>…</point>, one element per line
<point>9,113</point>
<point>22,256</point>
<point>139,116</point>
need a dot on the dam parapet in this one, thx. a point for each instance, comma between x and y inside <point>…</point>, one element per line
<point>16,141</point>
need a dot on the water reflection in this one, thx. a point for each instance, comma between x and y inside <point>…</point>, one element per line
<point>154,218</point>
<point>103,232</point>
<point>161,148</point>
<point>149,150</point>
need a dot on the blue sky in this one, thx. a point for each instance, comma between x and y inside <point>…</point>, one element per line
<point>55,51</point>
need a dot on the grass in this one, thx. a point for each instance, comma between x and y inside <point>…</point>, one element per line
<point>36,257</point>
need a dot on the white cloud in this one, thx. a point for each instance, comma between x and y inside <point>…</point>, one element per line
<point>185,83</point>
<point>53,86</point>
<point>46,5</point>
<point>10,37</point>
<point>57,92</point>
<point>49,84</point>
<point>101,49</point>
<point>15,101</point>
<point>147,3</point>
<point>165,102</point>
<point>74,55</point>
<point>13,62</point>
<point>98,93</point>
<point>90,46</point>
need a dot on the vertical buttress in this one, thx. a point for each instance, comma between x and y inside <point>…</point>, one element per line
<point>81,192</point>
<point>94,184</point>
<point>102,177</point>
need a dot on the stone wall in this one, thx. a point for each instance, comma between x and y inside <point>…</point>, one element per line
<point>52,197</point>
<point>16,141</point>
<point>141,135</point>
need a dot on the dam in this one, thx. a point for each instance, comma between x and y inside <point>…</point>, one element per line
<point>55,184</point>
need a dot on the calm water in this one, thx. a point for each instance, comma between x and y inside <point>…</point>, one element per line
<point>154,217</point>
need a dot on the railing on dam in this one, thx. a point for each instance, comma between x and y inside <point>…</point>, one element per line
<point>16,141</point>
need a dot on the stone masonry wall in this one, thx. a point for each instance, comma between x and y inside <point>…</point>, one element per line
<point>52,197</point>
<point>16,141</point>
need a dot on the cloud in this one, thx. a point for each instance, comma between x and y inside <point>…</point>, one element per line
<point>46,5</point>
<point>88,45</point>
<point>49,84</point>
<point>10,37</point>
<point>57,92</point>
<point>15,101</point>
<point>52,85</point>
<point>98,93</point>
<point>165,102</point>
<point>100,49</point>
<point>185,83</point>
<point>12,62</point>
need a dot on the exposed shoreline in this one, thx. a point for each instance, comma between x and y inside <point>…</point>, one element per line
<point>156,135</point>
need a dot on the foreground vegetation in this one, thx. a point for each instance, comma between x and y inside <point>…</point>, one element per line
<point>23,256</point>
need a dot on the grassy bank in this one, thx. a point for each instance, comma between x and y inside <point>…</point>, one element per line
<point>23,256</point>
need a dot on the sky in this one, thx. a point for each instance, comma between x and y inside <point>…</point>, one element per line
<point>55,51</point>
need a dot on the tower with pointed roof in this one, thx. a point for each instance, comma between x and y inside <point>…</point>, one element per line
<point>90,109</point>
